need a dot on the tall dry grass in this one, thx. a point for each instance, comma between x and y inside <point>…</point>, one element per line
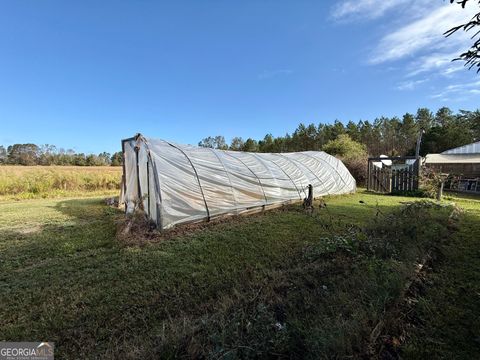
<point>51,181</point>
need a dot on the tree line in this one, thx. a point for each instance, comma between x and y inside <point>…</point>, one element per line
<point>32,154</point>
<point>391,136</point>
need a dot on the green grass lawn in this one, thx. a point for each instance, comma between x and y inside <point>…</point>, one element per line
<point>283,284</point>
<point>447,315</point>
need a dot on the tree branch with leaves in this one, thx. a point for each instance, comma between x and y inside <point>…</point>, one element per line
<point>472,55</point>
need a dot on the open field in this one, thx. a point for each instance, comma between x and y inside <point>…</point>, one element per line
<point>284,284</point>
<point>26,182</point>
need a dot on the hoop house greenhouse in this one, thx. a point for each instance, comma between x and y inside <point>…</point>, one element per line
<point>177,184</point>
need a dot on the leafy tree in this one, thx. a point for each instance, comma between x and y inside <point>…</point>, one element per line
<point>279,145</point>
<point>117,159</point>
<point>471,119</point>
<point>208,142</point>
<point>103,159</point>
<point>444,117</point>
<point>267,144</point>
<point>217,142</point>
<point>237,144</point>
<point>391,136</point>
<point>449,131</point>
<point>307,136</point>
<point>23,154</point>
<point>472,55</point>
<point>352,130</point>
<point>31,154</point>
<point>47,154</point>
<point>91,160</point>
<point>79,160</point>
<point>424,119</point>
<point>337,129</point>
<point>345,147</point>
<point>250,145</point>
<point>3,155</point>
<point>220,143</point>
<point>409,131</point>
<point>352,153</point>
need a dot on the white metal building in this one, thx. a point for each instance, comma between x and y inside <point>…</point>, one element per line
<point>462,164</point>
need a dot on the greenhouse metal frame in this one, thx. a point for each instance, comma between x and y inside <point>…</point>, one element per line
<point>175,184</point>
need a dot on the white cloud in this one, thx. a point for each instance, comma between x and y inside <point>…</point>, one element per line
<point>268,74</point>
<point>366,9</point>
<point>413,42</point>
<point>458,91</point>
<point>425,34</point>
<point>410,84</point>
<point>438,61</point>
<point>421,34</point>
<point>348,10</point>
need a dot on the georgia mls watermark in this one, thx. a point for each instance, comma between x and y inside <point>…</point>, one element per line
<point>26,350</point>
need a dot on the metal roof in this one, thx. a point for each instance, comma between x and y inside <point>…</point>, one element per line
<point>473,148</point>
<point>452,158</point>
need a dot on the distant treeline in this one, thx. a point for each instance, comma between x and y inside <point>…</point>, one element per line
<point>31,154</point>
<point>390,136</point>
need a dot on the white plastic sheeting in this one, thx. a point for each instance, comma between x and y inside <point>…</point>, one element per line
<point>180,183</point>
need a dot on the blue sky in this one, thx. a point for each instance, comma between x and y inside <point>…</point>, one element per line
<point>86,74</point>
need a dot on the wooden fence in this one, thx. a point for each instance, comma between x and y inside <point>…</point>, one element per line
<point>395,178</point>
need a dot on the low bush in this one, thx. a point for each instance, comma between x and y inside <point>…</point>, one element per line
<point>430,182</point>
<point>352,153</point>
<point>357,167</point>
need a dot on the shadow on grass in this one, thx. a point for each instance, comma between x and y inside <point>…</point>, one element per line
<point>88,225</point>
<point>272,285</point>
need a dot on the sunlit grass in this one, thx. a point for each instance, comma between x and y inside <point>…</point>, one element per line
<point>283,282</point>
<point>26,182</point>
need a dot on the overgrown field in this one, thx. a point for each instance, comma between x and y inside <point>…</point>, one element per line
<point>24,182</point>
<point>284,284</point>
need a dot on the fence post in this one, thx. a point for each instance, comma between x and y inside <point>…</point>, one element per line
<point>368,176</point>
<point>440,190</point>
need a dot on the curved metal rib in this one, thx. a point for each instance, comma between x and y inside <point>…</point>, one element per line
<point>196,174</point>
<point>290,161</point>
<point>320,181</point>
<point>255,175</point>
<point>316,159</point>
<point>293,182</point>
<point>229,179</point>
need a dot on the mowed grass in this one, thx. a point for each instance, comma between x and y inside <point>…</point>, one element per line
<point>26,182</point>
<point>283,284</point>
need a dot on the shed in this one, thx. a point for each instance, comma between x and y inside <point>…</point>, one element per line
<point>462,164</point>
<point>461,161</point>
